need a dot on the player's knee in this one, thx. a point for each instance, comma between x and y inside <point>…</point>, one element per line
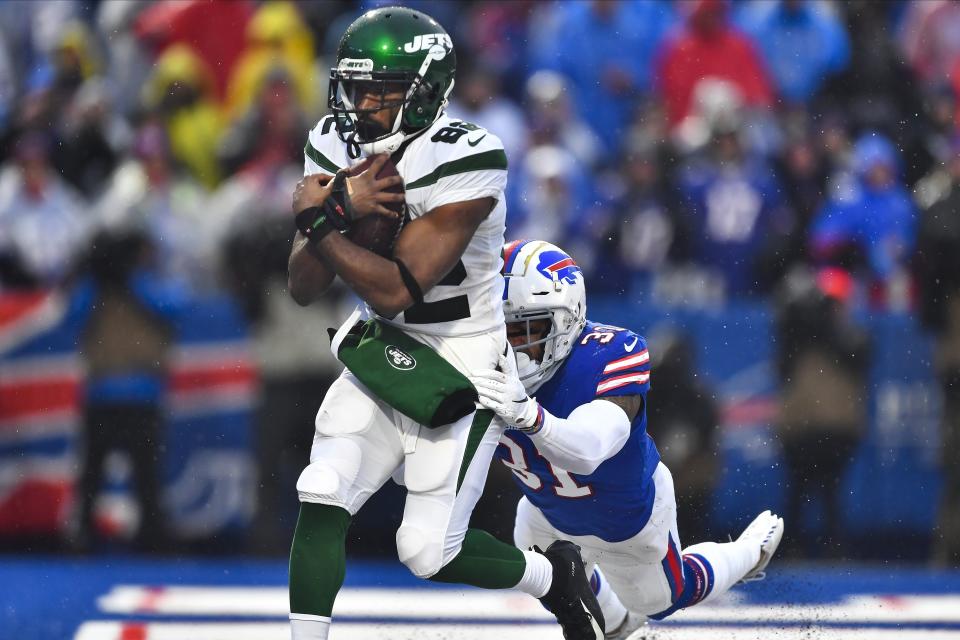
<point>419,551</point>
<point>334,465</point>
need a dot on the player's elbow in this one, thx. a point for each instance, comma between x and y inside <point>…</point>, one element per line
<point>301,292</point>
<point>584,469</point>
<point>300,298</point>
<point>584,466</point>
<point>298,292</point>
<point>392,304</point>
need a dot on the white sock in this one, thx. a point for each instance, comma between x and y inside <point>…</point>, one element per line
<point>538,575</point>
<point>306,627</point>
<point>722,563</point>
<point>614,613</point>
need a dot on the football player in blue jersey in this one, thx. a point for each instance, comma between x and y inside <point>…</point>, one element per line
<point>581,454</point>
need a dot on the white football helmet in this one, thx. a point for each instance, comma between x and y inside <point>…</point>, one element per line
<point>541,281</point>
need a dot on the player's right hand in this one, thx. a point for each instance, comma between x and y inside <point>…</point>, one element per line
<point>367,192</point>
<point>311,191</point>
<point>502,392</point>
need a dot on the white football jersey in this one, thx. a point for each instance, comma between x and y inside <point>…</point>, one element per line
<point>452,161</point>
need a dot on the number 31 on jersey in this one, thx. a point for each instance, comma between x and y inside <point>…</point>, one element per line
<point>564,486</point>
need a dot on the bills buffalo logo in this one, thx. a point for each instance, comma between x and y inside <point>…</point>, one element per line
<point>556,265</point>
<point>400,359</point>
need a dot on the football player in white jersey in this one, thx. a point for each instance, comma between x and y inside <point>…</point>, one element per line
<point>443,287</point>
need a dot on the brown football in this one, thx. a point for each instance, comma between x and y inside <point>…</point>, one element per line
<point>377,232</point>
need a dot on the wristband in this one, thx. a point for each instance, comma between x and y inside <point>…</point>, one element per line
<point>537,424</point>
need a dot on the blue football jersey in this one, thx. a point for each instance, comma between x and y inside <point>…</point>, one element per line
<point>614,502</point>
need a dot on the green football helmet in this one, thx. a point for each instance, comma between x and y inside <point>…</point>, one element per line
<point>388,51</point>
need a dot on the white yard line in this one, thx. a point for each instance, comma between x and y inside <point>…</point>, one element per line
<point>506,605</point>
<point>280,631</point>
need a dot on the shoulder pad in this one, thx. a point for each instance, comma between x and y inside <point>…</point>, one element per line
<point>625,363</point>
<point>457,138</point>
<point>452,147</point>
<point>325,148</point>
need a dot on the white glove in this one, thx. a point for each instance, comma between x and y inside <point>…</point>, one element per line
<point>502,392</point>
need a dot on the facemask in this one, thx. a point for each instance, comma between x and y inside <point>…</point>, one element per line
<point>369,129</point>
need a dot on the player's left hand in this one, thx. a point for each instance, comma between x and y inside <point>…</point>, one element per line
<point>502,392</point>
<point>368,193</point>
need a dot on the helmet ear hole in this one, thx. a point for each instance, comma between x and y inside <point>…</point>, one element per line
<point>426,98</point>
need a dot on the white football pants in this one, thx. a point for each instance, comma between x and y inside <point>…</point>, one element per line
<point>634,567</point>
<point>647,572</point>
<point>360,442</point>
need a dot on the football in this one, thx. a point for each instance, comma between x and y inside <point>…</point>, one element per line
<point>374,232</point>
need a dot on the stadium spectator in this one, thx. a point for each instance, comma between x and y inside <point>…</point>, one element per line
<point>834,145</point>
<point>709,47</point>
<point>586,42</point>
<point>73,59</point>
<point>869,220</point>
<point>552,120</point>
<point>44,224</point>
<point>802,170</point>
<point>129,60</point>
<point>822,366</point>
<point>213,30</point>
<point>125,346</point>
<point>877,90</point>
<point>556,200</point>
<point>31,30</point>
<point>180,91</point>
<point>270,133</point>
<point>942,104</point>
<point>149,191</point>
<point>928,145</point>
<point>497,33</point>
<point>684,420</point>
<point>92,137</point>
<point>733,206</point>
<point>480,101</point>
<point>928,38</point>
<point>58,58</point>
<point>802,43</point>
<point>647,233</point>
<point>937,267</point>
<point>276,37</point>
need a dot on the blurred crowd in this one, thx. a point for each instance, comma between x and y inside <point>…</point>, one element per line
<point>710,145</point>
<point>701,149</point>
<point>697,152</point>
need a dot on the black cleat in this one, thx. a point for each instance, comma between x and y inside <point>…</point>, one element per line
<point>570,597</point>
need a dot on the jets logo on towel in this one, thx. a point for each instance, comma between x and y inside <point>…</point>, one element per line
<point>400,359</point>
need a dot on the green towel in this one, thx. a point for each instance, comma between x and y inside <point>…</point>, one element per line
<point>407,374</point>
